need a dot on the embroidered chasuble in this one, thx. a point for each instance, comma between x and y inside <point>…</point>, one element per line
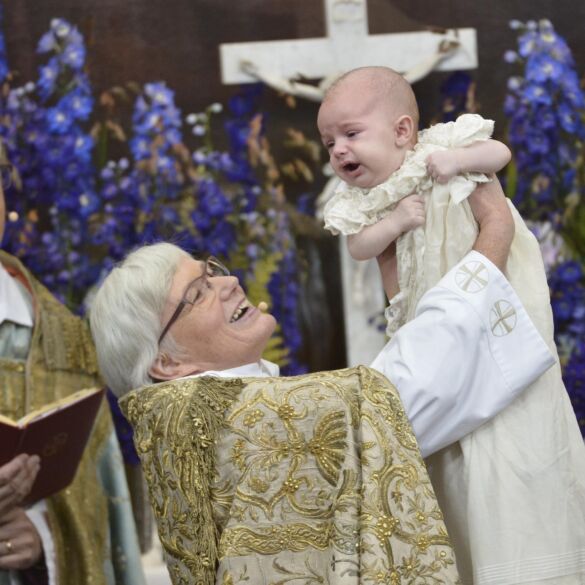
<point>310,479</point>
<point>91,520</point>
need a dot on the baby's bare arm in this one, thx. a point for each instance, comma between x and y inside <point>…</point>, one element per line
<point>375,238</point>
<point>485,156</point>
<point>389,270</point>
<point>496,225</point>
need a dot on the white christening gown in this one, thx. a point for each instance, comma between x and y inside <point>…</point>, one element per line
<point>513,491</point>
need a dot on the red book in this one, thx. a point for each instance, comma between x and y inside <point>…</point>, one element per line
<point>58,434</point>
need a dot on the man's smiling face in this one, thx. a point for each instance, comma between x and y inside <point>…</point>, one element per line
<point>223,330</point>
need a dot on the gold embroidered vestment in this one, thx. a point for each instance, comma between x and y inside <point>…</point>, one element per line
<point>310,479</point>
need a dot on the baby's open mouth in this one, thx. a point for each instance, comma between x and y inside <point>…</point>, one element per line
<point>351,166</point>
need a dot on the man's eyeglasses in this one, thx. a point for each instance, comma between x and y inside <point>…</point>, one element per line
<point>6,173</point>
<point>197,291</point>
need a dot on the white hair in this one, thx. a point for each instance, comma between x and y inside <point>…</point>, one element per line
<point>125,315</point>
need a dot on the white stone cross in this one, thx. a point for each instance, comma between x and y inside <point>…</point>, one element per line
<point>347,46</point>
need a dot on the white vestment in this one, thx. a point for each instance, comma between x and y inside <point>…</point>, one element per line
<point>513,491</point>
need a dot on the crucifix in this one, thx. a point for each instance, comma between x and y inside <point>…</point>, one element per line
<point>284,64</point>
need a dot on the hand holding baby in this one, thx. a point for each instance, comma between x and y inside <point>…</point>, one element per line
<point>443,165</point>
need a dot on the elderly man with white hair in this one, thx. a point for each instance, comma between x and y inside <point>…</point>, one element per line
<point>319,477</point>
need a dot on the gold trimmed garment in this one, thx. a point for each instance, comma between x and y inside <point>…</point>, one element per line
<point>91,520</point>
<point>310,479</point>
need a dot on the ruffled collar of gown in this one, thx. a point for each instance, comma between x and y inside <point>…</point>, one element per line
<point>410,177</point>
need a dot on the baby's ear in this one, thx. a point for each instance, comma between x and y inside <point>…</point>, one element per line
<point>404,130</point>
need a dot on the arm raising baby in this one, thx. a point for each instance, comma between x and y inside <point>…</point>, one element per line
<point>485,156</point>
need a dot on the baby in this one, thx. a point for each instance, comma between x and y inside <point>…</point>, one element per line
<point>368,138</point>
<point>513,491</point>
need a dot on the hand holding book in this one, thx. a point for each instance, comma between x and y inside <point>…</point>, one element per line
<point>57,433</point>
<point>16,480</point>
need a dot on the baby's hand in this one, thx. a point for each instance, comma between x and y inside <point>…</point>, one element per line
<point>442,165</point>
<point>409,213</point>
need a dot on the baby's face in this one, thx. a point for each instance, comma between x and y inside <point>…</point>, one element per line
<point>358,131</point>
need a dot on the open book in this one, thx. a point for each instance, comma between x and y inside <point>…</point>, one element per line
<point>58,433</point>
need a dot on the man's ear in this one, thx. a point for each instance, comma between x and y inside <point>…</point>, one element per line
<point>404,130</point>
<point>166,367</point>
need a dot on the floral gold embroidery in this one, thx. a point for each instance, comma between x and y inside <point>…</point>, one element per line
<point>315,479</point>
<point>253,417</point>
<point>385,527</point>
<point>292,537</point>
<point>176,425</point>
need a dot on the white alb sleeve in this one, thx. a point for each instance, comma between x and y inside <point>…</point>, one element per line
<point>468,353</point>
<point>37,514</point>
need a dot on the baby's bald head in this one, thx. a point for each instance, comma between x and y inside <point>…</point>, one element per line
<point>379,84</point>
<point>368,121</point>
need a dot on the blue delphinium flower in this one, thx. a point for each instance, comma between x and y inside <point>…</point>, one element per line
<point>456,92</point>
<point>206,200</point>
<point>48,77</point>
<point>212,201</point>
<point>124,431</point>
<point>264,228</point>
<point>46,141</point>
<point>544,107</point>
<point>570,272</point>
<point>59,120</point>
<point>79,103</point>
<point>156,124</point>
<point>567,285</point>
<point>74,55</point>
<point>3,56</point>
<point>574,376</point>
<point>219,241</point>
<point>284,293</point>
